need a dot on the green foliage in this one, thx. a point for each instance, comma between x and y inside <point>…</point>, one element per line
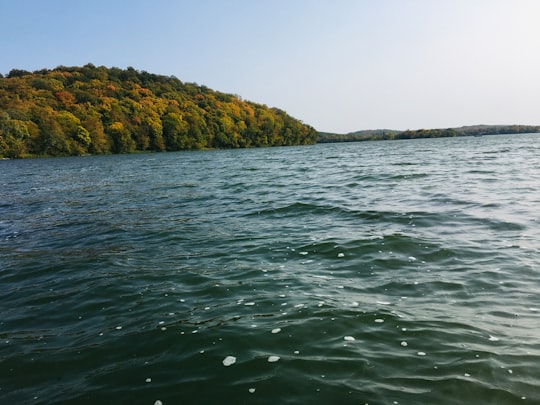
<point>98,110</point>
<point>13,136</point>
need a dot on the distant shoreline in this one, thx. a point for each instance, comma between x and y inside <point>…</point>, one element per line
<point>389,134</point>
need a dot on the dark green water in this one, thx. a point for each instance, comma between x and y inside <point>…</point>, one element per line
<point>402,272</point>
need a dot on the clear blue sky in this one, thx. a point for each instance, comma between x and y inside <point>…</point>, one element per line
<point>338,65</point>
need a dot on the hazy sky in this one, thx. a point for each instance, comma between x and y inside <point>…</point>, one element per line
<point>338,65</point>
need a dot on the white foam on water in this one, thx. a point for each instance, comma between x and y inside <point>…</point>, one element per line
<point>303,253</point>
<point>412,258</point>
<point>229,361</point>
<point>276,330</point>
<point>249,304</point>
<point>299,305</point>
<point>349,338</point>
<point>493,338</point>
<point>273,359</point>
<point>383,302</point>
<point>421,353</point>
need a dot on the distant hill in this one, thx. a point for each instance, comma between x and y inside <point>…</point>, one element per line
<point>388,134</point>
<point>99,110</point>
<point>364,135</point>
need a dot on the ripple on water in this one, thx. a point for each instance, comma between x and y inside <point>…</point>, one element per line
<point>280,279</point>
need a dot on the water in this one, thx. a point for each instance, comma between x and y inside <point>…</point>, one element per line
<point>403,272</point>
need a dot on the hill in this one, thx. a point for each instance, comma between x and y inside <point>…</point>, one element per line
<point>364,135</point>
<point>388,134</point>
<point>99,110</point>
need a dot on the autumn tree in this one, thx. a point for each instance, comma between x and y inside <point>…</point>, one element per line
<point>89,109</point>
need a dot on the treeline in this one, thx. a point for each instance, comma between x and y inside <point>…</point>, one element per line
<point>476,130</point>
<point>359,136</point>
<point>99,110</point>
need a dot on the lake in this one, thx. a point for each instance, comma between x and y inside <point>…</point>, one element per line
<point>397,272</point>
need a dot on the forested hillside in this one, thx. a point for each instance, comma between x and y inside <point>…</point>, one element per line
<point>99,110</point>
<point>388,134</point>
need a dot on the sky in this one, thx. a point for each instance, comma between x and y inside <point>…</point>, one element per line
<point>337,65</point>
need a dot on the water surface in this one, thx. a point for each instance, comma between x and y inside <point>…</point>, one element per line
<point>380,272</point>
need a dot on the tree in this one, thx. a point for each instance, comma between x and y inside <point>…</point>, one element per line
<point>89,109</point>
<point>122,141</point>
<point>99,143</point>
<point>13,136</point>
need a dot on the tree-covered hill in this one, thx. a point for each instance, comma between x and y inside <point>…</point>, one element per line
<point>99,110</point>
<point>389,134</point>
